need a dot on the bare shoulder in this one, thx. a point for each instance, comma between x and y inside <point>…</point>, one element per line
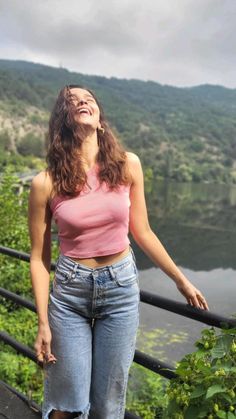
<point>42,184</point>
<point>134,165</point>
<point>133,160</point>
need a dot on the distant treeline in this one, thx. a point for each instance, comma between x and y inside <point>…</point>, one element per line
<point>185,134</point>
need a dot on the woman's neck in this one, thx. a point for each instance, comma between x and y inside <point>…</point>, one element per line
<point>89,150</point>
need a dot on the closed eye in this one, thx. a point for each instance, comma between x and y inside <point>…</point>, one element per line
<point>90,99</point>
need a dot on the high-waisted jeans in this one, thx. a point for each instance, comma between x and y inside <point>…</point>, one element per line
<point>93,316</point>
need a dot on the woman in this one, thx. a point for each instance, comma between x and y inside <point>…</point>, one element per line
<point>94,191</point>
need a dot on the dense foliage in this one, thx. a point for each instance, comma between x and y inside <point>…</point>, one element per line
<point>18,371</point>
<point>185,134</point>
<point>206,383</point>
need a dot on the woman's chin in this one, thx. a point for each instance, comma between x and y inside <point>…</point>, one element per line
<point>85,126</point>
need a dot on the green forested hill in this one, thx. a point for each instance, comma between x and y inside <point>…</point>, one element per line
<point>179,133</point>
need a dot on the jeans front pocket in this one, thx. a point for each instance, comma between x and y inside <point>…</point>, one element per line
<point>80,278</point>
<point>127,274</point>
<point>63,274</point>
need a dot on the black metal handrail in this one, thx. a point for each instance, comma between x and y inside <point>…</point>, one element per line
<point>146,361</point>
<point>153,364</point>
<point>141,358</point>
<point>186,310</point>
<point>19,255</point>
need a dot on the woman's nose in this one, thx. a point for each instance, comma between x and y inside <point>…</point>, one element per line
<point>82,101</point>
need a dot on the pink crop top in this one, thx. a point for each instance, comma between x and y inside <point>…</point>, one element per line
<point>94,223</point>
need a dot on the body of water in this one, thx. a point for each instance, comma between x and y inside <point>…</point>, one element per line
<point>197,225</point>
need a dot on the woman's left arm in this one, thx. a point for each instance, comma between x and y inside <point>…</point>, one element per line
<point>148,241</point>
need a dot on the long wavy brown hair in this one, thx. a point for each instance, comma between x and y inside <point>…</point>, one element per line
<point>64,157</point>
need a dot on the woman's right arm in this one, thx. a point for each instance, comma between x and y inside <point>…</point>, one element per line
<point>40,259</point>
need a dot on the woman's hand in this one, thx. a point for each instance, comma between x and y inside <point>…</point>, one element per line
<point>42,344</point>
<point>193,296</point>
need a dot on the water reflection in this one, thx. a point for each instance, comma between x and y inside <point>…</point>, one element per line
<point>196,223</point>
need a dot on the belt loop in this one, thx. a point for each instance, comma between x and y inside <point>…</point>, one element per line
<point>111,272</point>
<point>74,270</point>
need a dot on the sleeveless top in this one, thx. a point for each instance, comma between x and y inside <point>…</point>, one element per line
<point>95,222</point>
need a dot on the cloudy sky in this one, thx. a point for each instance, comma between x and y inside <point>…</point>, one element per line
<point>175,42</point>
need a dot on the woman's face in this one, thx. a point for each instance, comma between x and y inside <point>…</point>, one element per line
<point>87,110</point>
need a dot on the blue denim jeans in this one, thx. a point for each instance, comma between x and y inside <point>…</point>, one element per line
<point>93,316</point>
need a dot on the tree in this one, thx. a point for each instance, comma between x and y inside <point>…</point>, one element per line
<point>31,144</point>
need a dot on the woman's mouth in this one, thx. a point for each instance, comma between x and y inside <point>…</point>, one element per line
<point>84,111</point>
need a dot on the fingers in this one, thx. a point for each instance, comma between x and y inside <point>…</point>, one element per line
<point>197,300</point>
<point>43,353</point>
<point>193,296</point>
<point>203,302</point>
<point>46,357</point>
<point>39,357</point>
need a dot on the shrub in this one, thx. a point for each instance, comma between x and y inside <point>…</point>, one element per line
<point>206,382</point>
<point>32,145</point>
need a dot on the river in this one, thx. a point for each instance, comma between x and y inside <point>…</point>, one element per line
<point>197,225</point>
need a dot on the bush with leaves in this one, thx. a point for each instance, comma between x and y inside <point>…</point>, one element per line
<point>146,395</point>
<point>206,382</point>
<point>15,369</point>
<point>14,274</point>
<point>20,323</point>
<point>31,145</point>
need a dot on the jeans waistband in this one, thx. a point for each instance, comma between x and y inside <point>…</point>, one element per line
<point>74,265</point>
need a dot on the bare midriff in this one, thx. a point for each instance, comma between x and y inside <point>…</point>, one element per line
<point>100,261</point>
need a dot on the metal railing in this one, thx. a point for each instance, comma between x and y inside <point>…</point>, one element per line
<point>141,358</point>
